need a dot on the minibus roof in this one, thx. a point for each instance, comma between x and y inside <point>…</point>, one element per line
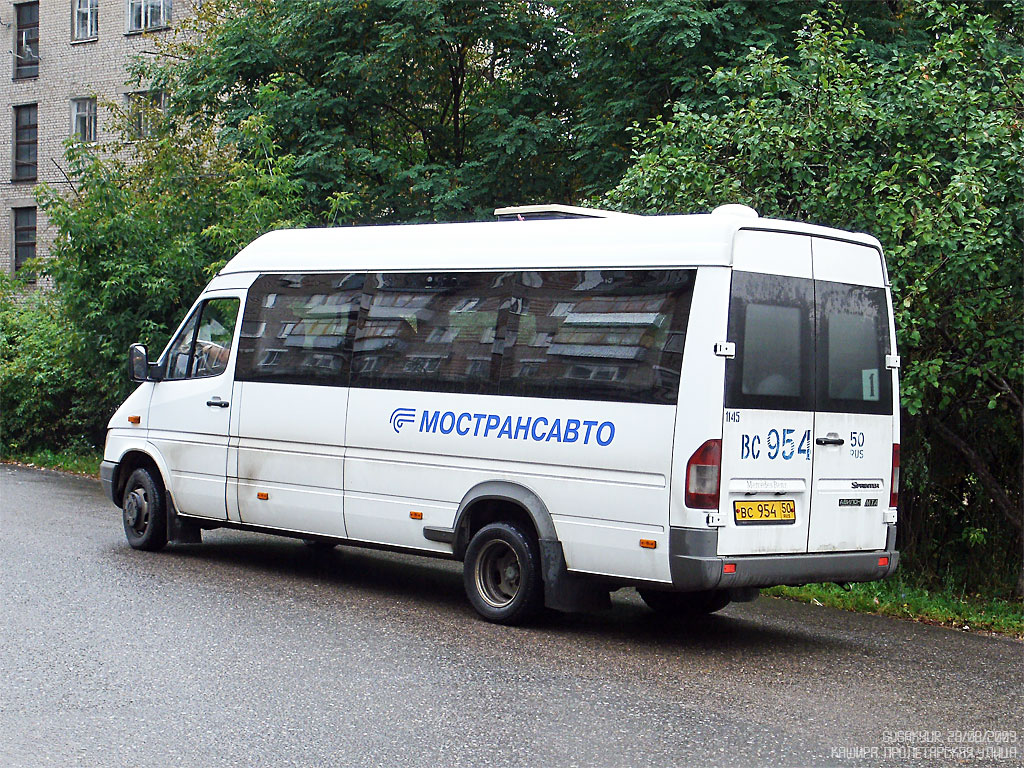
<point>621,242</point>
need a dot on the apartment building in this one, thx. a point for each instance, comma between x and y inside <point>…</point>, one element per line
<point>68,58</point>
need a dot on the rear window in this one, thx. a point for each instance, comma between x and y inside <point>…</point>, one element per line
<point>781,364</point>
<point>853,340</point>
<point>771,319</point>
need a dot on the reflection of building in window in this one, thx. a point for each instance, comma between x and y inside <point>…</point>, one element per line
<point>479,367</point>
<point>594,372</point>
<point>271,358</point>
<point>443,335</point>
<point>422,364</point>
<point>252,330</point>
<point>366,364</point>
<point>528,367</point>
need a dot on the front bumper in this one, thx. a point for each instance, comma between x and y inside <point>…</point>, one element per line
<point>695,564</point>
<point>107,470</point>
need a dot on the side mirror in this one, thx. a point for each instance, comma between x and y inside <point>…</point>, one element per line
<point>138,363</point>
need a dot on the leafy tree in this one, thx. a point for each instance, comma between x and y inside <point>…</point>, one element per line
<point>924,150</point>
<point>137,241</point>
<point>408,110</point>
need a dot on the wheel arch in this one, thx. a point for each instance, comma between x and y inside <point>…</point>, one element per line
<point>496,500</point>
<point>133,459</point>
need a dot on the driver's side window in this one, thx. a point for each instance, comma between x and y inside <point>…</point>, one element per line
<point>203,346</point>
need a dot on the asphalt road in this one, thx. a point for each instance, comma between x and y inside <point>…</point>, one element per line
<point>250,650</point>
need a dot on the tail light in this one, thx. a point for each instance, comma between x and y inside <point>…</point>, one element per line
<point>894,482</point>
<point>704,475</point>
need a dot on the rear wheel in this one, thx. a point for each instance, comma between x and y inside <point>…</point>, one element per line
<point>144,512</point>
<point>502,575</point>
<point>685,604</point>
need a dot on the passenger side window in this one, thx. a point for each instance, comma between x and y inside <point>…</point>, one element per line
<point>597,335</point>
<point>771,319</point>
<point>430,331</point>
<point>297,329</point>
<point>203,346</point>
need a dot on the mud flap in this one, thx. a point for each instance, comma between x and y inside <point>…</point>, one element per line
<point>569,592</point>
<point>179,530</point>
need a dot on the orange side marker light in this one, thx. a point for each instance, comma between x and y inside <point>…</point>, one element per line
<point>262,495</point>
<point>134,419</point>
<point>648,543</point>
<point>416,515</point>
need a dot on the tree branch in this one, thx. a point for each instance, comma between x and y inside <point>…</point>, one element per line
<point>1013,512</point>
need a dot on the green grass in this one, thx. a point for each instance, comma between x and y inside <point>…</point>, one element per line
<point>80,461</point>
<point>898,597</point>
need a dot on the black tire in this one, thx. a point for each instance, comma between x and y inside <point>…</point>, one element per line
<point>684,604</point>
<point>144,511</point>
<point>502,574</point>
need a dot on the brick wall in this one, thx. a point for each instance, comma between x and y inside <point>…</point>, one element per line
<point>68,70</point>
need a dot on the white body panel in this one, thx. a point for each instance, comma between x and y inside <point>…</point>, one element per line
<point>290,445</point>
<point>602,498</point>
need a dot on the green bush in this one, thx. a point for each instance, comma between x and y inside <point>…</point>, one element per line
<point>46,396</point>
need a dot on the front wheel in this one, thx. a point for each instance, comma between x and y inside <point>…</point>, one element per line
<point>144,512</point>
<point>502,574</point>
<point>685,604</point>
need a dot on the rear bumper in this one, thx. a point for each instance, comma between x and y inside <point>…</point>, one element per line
<point>107,470</point>
<point>695,564</point>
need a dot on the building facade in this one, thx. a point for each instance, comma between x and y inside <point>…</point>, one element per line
<point>68,60</point>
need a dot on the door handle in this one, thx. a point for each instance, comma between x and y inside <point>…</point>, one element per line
<point>829,441</point>
<point>218,403</point>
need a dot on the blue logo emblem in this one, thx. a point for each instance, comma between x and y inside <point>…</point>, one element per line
<point>402,416</point>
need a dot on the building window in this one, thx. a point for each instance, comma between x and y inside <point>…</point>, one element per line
<point>148,14</point>
<point>25,132</point>
<point>144,109</point>
<point>83,119</point>
<point>26,46</point>
<point>24,237</point>
<point>85,21</point>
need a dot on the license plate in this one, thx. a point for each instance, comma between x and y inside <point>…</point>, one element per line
<point>774,512</point>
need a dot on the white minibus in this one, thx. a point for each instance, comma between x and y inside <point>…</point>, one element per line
<point>694,406</point>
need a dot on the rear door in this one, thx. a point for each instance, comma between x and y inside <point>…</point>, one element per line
<point>769,400</point>
<point>853,423</point>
